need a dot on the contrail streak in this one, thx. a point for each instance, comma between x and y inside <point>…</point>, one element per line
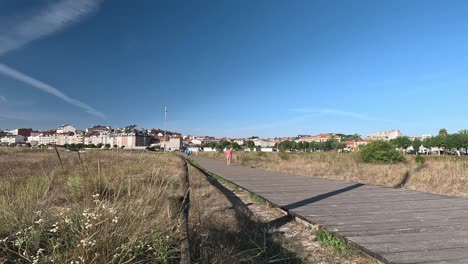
<point>12,73</point>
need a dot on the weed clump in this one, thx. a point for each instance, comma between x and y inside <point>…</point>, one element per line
<point>420,160</point>
<point>328,239</point>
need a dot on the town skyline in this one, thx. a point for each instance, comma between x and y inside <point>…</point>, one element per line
<point>183,133</point>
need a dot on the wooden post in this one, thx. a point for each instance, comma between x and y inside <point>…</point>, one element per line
<point>58,155</point>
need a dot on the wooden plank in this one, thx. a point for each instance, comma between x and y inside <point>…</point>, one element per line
<point>427,256</point>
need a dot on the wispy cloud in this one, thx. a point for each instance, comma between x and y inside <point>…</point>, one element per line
<point>44,22</point>
<point>335,112</point>
<point>5,70</point>
<point>3,99</point>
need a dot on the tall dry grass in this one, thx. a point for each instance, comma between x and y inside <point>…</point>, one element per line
<point>101,207</point>
<point>447,175</point>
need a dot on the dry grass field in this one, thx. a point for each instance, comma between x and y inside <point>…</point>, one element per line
<point>447,175</point>
<point>119,206</point>
<point>101,207</point>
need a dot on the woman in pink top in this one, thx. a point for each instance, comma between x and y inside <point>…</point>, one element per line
<point>228,156</point>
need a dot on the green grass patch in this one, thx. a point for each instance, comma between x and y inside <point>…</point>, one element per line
<point>338,244</point>
<point>258,199</point>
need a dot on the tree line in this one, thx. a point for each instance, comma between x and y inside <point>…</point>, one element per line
<point>222,144</point>
<point>75,147</point>
<point>443,140</point>
<point>330,144</point>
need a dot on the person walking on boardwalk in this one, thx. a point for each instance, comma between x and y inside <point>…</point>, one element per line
<point>228,155</point>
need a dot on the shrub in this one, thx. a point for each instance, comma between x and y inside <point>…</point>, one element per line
<point>380,152</point>
<point>420,160</point>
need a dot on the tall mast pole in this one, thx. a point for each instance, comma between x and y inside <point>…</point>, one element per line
<point>165,127</point>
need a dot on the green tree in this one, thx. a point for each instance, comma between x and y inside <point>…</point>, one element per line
<point>350,137</point>
<point>443,132</point>
<point>401,142</point>
<point>251,145</point>
<point>235,146</point>
<point>416,144</point>
<point>115,146</point>
<point>212,145</point>
<point>287,145</point>
<point>99,145</point>
<point>91,146</point>
<point>463,134</point>
<point>313,146</point>
<point>107,146</point>
<point>336,145</point>
<point>300,145</point>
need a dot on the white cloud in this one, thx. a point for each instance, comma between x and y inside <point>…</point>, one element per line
<point>53,18</point>
<point>4,69</point>
<point>3,99</point>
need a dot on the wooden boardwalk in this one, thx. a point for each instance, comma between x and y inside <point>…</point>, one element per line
<point>392,225</point>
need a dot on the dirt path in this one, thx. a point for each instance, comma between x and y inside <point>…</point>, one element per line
<point>230,226</point>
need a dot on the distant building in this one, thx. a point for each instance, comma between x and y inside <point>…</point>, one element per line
<point>266,149</point>
<point>25,132</point>
<point>131,139</point>
<point>319,138</point>
<point>98,129</point>
<point>384,135</point>
<point>12,139</point>
<point>96,138</point>
<point>172,144</point>
<point>239,141</point>
<point>197,142</point>
<point>128,137</point>
<point>65,129</point>
<point>264,143</point>
<point>354,144</point>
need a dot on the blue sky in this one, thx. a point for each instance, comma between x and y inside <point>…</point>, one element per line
<point>235,68</point>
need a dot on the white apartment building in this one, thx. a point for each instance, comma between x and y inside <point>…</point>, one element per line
<point>264,143</point>
<point>102,138</point>
<point>239,141</point>
<point>197,141</point>
<point>384,135</point>
<point>46,138</point>
<point>12,139</point>
<point>172,143</point>
<point>66,129</point>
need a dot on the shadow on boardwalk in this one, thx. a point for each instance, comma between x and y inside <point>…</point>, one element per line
<point>320,197</point>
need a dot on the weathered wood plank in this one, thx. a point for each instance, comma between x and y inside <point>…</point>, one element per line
<point>401,226</point>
